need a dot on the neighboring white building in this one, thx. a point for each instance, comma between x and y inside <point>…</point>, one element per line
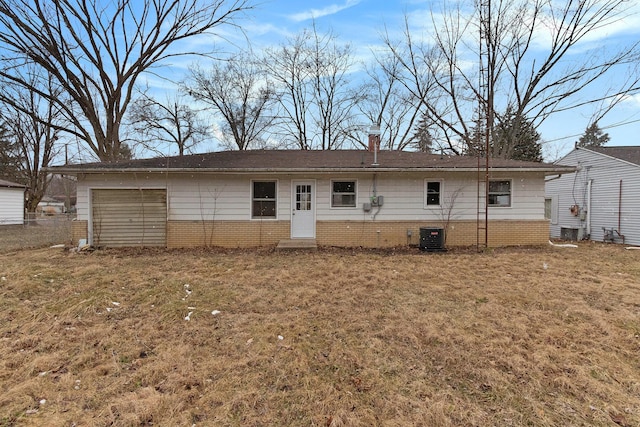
<point>601,200</point>
<point>11,203</point>
<point>338,198</point>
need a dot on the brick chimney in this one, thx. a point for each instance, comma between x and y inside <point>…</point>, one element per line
<point>374,138</point>
<point>374,142</point>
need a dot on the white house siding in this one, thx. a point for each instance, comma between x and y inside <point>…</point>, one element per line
<point>205,197</point>
<point>11,205</point>
<point>605,174</point>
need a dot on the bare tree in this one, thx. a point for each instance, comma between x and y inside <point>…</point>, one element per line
<point>165,125</point>
<point>314,94</point>
<point>388,103</point>
<point>30,121</point>
<point>522,47</point>
<point>96,51</point>
<point>288,65</point>
<point>332,97</point>
<point>239,92</point>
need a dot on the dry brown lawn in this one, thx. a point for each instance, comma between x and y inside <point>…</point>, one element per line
<point>511,337</point>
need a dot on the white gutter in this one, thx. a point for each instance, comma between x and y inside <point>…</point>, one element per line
<point>54,169</point>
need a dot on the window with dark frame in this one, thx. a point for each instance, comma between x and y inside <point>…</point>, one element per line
<point>343,194</point>
<point>263,199</point>
<point>500,193</point>
<point>433,193</point>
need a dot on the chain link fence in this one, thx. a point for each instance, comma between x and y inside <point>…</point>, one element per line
<point>37,231</point>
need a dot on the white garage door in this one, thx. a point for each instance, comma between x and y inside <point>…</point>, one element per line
<point>129,218</point>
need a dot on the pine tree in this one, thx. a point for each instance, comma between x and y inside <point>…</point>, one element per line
<point>421,138</point>
<point>516,138</point>
<point>593,137</point>
<point>10,164</point>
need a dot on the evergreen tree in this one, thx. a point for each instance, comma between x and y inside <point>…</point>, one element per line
<point>10,163</point>
<point>421,138</point>
<point>516,138</point>
<point>593,137</point>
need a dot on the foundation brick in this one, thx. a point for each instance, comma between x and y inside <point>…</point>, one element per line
<point>234,234</point>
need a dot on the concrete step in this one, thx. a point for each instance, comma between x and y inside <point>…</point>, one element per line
<point>297,244</point>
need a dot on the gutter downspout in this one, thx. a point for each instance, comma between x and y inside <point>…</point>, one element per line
<point>620,213</point>
<point>589,184</point>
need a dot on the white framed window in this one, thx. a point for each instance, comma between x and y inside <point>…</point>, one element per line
<point>500,193</point>
<point>551,209</point>
<point>432,193</point>
<point>263,199</point>
<point>343,193</point>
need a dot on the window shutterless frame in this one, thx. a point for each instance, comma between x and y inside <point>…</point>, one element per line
<point>433,193</point>
<point>500,193</point>
<point>344,193</point>
<point>264,199</point>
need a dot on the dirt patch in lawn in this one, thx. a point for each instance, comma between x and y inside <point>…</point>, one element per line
<point>510,337</point>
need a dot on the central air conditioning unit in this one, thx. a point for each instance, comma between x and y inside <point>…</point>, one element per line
<point>432,239</point>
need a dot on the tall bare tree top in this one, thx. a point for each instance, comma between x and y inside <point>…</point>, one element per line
<point>97,50</point>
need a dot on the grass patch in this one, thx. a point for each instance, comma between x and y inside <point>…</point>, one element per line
<point>529,336</point>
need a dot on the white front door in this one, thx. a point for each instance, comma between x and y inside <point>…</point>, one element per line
<point>303,210</point>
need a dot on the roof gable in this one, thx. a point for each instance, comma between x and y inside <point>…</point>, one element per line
<point>629,154</point>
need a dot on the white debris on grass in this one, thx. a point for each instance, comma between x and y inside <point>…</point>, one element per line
<point>280,337</point>
<point>187,291</point>
<point>249,341</point>
<point>545,265</point>
<point>43,401</point>
<point>3,278</point>
<point>56,246</point>
<point>631,248</point>
<point>215,312</point>
<point>188,316</point>
<point>563,245</point>
<point>117,304</point>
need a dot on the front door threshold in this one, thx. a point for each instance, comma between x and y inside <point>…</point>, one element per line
<point>296,244</point>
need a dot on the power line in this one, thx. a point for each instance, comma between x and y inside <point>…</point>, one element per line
<point>628,122</point>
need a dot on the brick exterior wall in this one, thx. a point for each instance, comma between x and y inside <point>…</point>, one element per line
<point>459,233</point>
<point>341,233</point>
<point>232,234</point>
<point>79,231</point>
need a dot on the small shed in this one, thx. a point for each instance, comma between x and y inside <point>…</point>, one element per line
<point>11,203</point>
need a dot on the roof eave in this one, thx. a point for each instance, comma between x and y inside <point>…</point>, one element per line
<point>369,169</point>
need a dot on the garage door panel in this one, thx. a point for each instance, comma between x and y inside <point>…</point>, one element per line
<point>129,218</point>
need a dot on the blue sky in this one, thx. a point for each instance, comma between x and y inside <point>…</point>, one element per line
<point>360,22</point>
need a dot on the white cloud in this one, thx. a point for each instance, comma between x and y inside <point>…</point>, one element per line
<point>631,101</point>
<point>318,13</point>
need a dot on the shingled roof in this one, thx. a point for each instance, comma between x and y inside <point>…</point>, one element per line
<point>9,184</point>
<point>305,161</point>
<point>629,154</point>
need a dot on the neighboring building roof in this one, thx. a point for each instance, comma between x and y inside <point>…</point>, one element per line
<point>9,184</point>
<point>306,161</point>
<point>629,154</point>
